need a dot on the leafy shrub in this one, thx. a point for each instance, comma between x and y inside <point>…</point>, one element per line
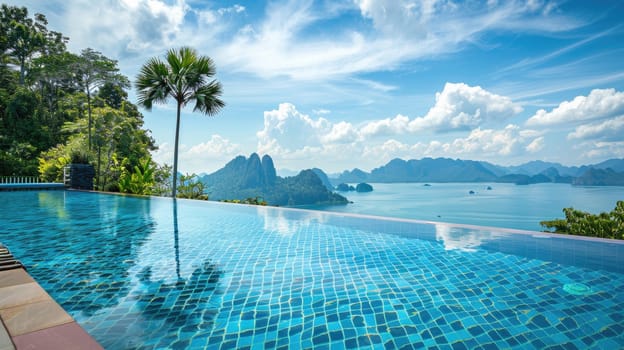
<point>603,225</point>
<point>190,187</point>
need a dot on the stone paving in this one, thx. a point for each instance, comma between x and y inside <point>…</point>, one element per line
<point>31,319</point>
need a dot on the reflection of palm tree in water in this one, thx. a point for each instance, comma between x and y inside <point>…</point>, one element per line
<point>184,303</point>
<point>180,302</point>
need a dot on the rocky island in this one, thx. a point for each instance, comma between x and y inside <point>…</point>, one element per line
<point>254,177</point>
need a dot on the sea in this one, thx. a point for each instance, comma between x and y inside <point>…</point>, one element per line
<point>484,204</point>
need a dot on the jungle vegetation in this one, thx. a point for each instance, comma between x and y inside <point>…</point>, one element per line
<point>57,106</point>
<point>577,222</point>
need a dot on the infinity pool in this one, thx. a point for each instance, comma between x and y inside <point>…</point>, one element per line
<point>151,273</point>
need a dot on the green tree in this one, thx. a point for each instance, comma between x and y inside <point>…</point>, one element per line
<point>24,37</point>
<point>184,76</point>
<point>94,70</point>
<point>162,180</point>
<point>576,222</point>
<point>190,187</point>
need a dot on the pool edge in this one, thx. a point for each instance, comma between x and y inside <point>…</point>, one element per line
<point>32,319</point>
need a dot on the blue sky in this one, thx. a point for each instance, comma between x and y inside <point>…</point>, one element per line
<point>355,83</point>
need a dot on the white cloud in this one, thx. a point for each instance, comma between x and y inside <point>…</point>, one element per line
<point>535,145</point>
<point>164,154</point>
<point>458,107</point>
<point>211,154</point>
<point>129,25</point>
<point>505,142</point>
<point>286,130</point>
<point>233,9</point>
<point>396,125</point>
<point>215,148</point>
<point>403,31</point>
<point>291,135</point>
<point>341,132</point>
<point>479,144</point>
<point>612,129</point>
<point>599,104</point>
<point>463,107</point>
<point>387,151</point>
<point>321,111</point>
<point>600,150</point>
<point>290,39</point>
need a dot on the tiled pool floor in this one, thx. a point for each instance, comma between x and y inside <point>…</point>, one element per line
<point>141,273</point>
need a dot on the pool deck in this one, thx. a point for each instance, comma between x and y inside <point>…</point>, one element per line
<point>31,186</point>
<point>31,319</point>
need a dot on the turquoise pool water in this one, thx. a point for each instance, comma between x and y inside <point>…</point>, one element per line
<point>145,273</point>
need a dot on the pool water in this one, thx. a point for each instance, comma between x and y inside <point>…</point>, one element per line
<point>153,273</point>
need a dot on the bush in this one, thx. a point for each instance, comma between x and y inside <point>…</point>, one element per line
<point>603,225</point>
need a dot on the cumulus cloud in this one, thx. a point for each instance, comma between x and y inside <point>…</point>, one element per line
<point>396,125</point>
<point>599,104</point>
<point>290,134</point>
<point>215,148</point>
<point>201,157</point>
<point>463,107</point>
<point>286,129</point>
<point>601,149</point>
<point>458,107</point>
<point>136,25</point>
<point>388,150</point>
<point>488,143</point>
<point>611,130</point>
<point>491,142</point>
<point>341,132</point>
<point>535,145</point>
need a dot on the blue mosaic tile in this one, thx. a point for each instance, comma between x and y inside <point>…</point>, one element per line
<point>138,275</point>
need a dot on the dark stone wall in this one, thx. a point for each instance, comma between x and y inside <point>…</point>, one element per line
<point>81,176</point>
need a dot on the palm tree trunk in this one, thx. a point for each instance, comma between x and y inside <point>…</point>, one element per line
<point>175,153</point>
<point>99,162</point>
<point>89,110</point>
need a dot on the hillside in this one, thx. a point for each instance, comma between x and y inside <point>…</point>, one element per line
<point>610,172</point>
<point>252,177</point>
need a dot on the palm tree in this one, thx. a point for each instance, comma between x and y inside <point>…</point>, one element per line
<point>186,77</point>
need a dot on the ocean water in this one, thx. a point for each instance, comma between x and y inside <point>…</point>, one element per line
<point>505,205</point>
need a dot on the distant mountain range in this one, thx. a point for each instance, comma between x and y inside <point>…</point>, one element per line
<point>252,177</point>
<point>607,173</point>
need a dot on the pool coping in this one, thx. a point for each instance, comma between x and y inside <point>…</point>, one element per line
<point>31,319</point>
<point>32,186</point>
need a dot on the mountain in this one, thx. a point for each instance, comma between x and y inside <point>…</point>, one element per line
<point>600,177</point>
<point>521,179</point>
<point>538,166</point>
<point>494,169</point>
<point>324,179</point>
<point>457,170</point>
<point>355,175</point>
<point>616,165</point>
<point>424,170</point>
<point>252,177</point>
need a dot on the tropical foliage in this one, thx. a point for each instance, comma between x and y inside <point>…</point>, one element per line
<point>603,225</point>
<point>141,180</point>
<point>251,200</point>
<point>190,187</point>
<point>185,77</point>
<point>55,104</point>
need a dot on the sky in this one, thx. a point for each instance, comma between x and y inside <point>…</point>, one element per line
<point>343,84</point>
